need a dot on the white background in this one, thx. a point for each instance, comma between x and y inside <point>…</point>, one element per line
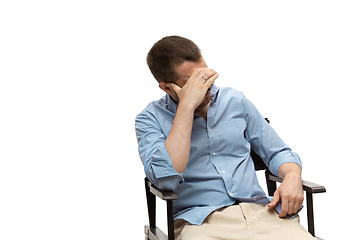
<point>74,76</point>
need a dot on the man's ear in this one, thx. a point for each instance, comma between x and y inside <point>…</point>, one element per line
<point>165,87</point>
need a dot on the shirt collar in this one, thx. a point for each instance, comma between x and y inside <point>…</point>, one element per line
<point>172,105</point>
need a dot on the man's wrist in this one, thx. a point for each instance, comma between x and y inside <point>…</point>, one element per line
<point>187,108</point>
<point>292,174</point>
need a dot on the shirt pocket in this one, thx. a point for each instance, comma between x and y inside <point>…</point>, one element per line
<point>234,133</point>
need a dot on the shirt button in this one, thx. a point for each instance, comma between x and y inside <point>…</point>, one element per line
<point>209,129</point>
<point>223,171</point>
<point>214,153</point>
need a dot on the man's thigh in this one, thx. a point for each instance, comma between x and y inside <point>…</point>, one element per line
<point>242,222</point>
<point>264,223</point>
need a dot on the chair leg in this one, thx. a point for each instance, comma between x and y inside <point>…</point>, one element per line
<point>310,213</point>
<point>151,204</point>
<point>170,219</point>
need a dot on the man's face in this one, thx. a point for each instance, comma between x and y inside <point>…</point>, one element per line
<point>184,71</point>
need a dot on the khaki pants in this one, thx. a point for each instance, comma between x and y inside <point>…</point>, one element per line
<point>244,221</point>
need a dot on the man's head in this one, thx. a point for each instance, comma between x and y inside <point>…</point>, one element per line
<point>167,54</point>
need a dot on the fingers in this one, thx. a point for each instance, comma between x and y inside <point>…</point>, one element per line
<point>208,73</point>
<point>288,207</point>
<point>208,76</point>
<point>292,207</point>
<point>298,205</point>
<point>211,80</point>
<point>275,200</point>
<point>203,74</point>
<point>198,74</point>
<point>284,208</point>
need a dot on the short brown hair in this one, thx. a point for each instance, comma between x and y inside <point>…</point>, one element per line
<point>167,53</point>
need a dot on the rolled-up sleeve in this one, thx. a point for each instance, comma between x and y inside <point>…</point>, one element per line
<point>156,160</point>
<point>265,142</point>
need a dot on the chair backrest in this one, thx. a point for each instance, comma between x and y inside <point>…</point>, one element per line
<point>258,162</point>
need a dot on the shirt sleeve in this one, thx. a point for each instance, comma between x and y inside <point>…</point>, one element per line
<point>156,160</point>
<point>265,142</point>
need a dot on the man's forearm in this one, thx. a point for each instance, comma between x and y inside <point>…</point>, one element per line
<point>288,169</point>
<point>178,142</point>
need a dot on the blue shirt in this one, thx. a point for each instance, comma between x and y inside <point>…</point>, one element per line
<point>220,168</point>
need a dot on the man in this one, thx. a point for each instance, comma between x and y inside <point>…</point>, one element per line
<point>196,141</point>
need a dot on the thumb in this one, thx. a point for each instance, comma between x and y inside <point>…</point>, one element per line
<point>275,200</point>
<point>175,87</point>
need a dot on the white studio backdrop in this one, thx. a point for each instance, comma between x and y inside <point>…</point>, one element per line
<point>73,77</point>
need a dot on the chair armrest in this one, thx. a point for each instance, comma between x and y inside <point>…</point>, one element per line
<point>313,187</point>
<point>308,186</point>
<point>164,195</point>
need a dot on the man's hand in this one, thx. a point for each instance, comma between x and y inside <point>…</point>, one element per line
<point>193,92</point>
<point>290,191</point>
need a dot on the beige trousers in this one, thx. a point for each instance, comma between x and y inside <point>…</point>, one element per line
<point>244,221</point>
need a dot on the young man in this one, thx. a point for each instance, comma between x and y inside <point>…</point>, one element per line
<point>196,141</point>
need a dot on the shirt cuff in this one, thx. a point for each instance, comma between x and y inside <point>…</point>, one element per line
<point>162,173</point>
<point>281,158</point>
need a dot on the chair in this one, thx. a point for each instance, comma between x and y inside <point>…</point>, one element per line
<point>154,233</point>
